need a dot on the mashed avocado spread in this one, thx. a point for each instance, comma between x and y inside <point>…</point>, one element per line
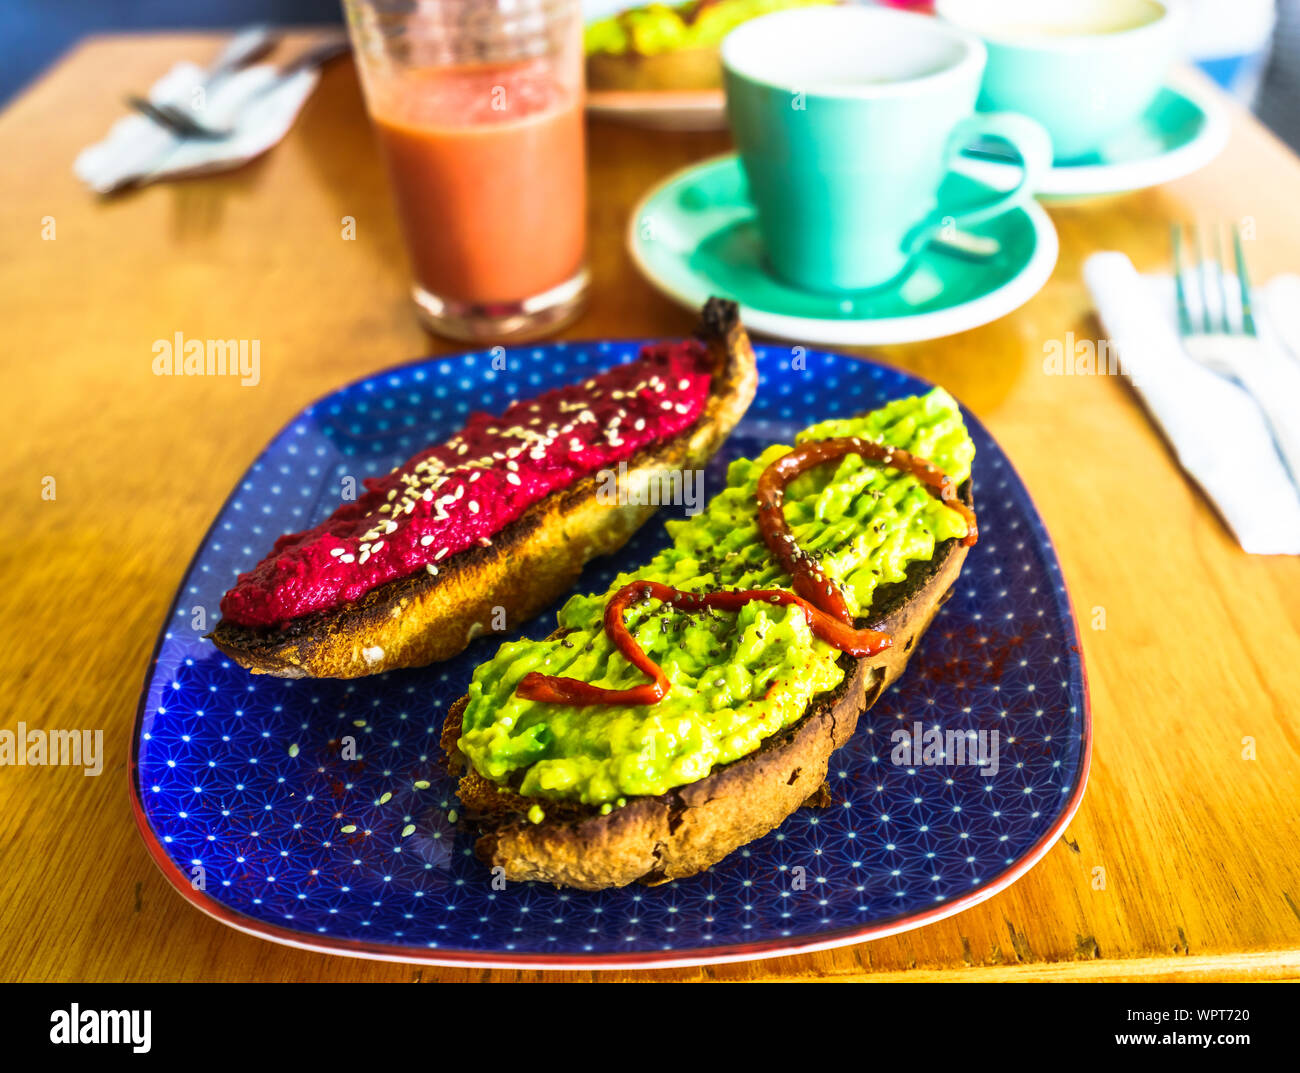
<point>737,678</point>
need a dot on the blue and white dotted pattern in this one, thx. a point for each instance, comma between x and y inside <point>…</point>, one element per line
<point>241,779</point>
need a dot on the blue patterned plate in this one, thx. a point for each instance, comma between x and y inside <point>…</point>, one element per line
<point>242,799</point>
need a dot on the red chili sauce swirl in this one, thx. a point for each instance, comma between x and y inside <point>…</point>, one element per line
<point>821,601</point>
<point>555,690</point>
<point>810,581</point>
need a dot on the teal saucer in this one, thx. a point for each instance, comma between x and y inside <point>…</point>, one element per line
<point>1181,132</point>
<point>696,235</point>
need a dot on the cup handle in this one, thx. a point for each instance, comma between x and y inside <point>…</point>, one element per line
<point>1032,146</point>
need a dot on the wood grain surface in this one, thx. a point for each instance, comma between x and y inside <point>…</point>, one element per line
<point>1200,647</point>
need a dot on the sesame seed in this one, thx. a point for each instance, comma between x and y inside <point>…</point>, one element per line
<point>425,541</point>
<point>337,551</point>
<point>432,569</point>
<point>441,553</point>
<point>513,478</point>
<point>473,506</point>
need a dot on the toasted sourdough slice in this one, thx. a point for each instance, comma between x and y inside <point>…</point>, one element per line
<point>689,828</point>
<point>418,619</point>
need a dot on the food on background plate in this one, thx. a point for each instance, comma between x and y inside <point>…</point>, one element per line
<point>662,47</point>
<point>504,514</point>
<point>694,706</point>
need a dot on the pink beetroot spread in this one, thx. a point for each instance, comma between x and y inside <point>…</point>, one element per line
<point>465,491</point>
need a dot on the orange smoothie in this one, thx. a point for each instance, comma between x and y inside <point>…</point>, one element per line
<point>487,164</point>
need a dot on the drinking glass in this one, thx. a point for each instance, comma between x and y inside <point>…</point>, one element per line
<point>477,105</point>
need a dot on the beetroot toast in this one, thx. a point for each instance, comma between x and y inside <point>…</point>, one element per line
<point>433,613</point>
<point>677,833</point>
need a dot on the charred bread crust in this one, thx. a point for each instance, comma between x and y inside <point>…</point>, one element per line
<point>419,619</point>
<point>690,828</point>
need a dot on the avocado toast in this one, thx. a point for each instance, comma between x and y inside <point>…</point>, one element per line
<point>606,794</point>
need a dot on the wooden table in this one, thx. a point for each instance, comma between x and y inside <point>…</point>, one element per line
<point>1201,646</point>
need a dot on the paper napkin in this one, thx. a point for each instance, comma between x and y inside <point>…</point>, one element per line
<point>1218,432</point>
<point>250,101</point>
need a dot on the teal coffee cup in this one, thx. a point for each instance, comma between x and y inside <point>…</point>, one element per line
<point>1085,69</point>
<point>847,120</point>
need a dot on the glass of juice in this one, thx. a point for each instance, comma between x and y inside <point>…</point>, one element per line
<point>477,105</point>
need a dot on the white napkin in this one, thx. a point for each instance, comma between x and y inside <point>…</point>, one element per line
<point>260,117</point>
<point>1216,429</point>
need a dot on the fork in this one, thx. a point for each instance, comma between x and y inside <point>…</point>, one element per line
<point>175,119</point>
<point>244,48</point>
<point>1224,339</point>
<point>185,124</point>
